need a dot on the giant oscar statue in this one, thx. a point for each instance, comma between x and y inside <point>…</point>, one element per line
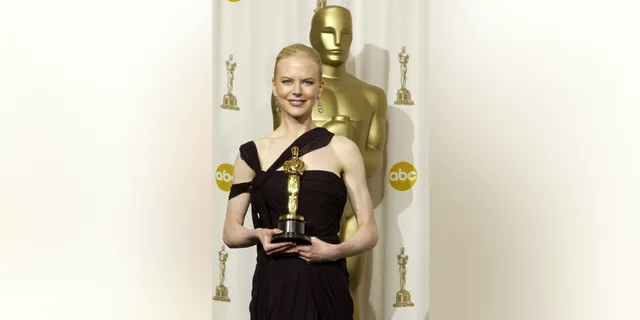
<point>350,107</point>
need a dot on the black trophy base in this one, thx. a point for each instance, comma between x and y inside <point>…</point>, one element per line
<point>293,230</point>
<point>297,238</point>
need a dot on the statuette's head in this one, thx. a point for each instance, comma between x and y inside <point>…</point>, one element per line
<point>331,34</point>
<point>297,80</point>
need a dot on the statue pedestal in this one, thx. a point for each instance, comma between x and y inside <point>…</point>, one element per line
<point>403,97</point>
<point>229,102</point>
<point>222,294</point>
<point>403,299</point>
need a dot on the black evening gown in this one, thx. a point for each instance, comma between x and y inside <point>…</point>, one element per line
<point>286,287</point>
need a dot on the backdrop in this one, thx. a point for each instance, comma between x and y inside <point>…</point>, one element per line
<point>253,32</point>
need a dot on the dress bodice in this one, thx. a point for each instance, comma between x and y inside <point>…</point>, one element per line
<point>322,195</point>
<point>285,287</point>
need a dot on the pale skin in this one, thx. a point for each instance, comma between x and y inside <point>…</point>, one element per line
<point>296,85</point>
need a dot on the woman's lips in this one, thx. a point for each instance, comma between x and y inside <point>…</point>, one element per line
<point>297,103</point>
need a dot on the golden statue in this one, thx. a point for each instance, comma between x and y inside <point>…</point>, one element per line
<point>293,169</point>
<point>222,293</point>
<point>403,297</point>
<point>350,108</point>
<point>229,101</point>
<point>292,224</point>
<point>404,95</point>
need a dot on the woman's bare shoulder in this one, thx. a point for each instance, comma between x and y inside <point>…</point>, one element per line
<point>265,143</point>
<point>343,145</point>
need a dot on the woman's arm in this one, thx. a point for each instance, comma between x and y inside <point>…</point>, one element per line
<point>366,237</point>
<point>234,234</point>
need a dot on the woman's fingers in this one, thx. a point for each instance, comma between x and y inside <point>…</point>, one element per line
<point>283,249</point>
<point>293,249</point>
<point>275,247</point>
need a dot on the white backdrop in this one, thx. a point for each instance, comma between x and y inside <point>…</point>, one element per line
<point>253,32</point>
<point>105,173</point>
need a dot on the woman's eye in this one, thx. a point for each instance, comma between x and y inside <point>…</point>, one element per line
<point>286,81</point>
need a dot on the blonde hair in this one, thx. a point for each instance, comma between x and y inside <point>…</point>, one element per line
<point>296,50</point>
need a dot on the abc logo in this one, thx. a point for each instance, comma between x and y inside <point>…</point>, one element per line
<point>224,176</point>
<point>234,0</point>
<point>403,176</point>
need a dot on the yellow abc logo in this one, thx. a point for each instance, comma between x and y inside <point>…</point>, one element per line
<point>234,0</point>
<point>403,176</point>
<point>224,176</point>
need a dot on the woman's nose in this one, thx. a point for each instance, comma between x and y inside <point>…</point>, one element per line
<point>297,90</point>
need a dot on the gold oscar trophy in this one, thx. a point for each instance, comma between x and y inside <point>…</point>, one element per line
<point>351,108</point>
<point>222,293</point>
<point>403,95</point>
<point>229,101</point>
<point>403,297</point>
<point>292,224</point>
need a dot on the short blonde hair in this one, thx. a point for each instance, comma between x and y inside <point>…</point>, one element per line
<point>296,50</point>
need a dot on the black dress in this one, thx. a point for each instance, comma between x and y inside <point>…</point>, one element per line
<point>286,287</point>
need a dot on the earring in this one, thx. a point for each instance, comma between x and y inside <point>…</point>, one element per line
<point>277,107</point>
<point>319,106</point>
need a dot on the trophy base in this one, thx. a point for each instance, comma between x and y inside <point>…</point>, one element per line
<point>403,299</point>
<point>293,230</point>
<point>404,97</point>
<point>222,294</point>
<point>297,238</point>
<point>229,102</point>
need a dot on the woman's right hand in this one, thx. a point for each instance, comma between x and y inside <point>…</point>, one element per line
<point>265,235</point>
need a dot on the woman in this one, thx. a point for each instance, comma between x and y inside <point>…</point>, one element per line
<point>300,281</point>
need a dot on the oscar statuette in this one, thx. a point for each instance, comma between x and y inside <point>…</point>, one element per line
<point>222,293</point>
<point>292,224</point>
<point>403,297</point>
<point>229,101</point>
<point>403,95</point>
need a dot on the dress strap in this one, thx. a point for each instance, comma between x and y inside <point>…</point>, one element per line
<point>311,140</point>
<point>249,153</point>
<point>238,189</point>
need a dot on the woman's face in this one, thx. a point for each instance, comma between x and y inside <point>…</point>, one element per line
<point>296,85</point>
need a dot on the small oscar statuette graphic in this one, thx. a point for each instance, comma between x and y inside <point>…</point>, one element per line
<point>292,224</point>
<point>403,96</point>
<point>222,293</point>
<point>229,101</point>
<point>320,4</point>
<point>403,297</point>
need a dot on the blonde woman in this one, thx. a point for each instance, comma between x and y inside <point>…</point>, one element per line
<point>294,281</point>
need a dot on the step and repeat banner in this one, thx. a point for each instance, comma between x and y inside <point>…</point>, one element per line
<point>388,54</point>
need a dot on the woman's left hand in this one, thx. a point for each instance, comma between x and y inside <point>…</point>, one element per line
<point>317,251</point>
